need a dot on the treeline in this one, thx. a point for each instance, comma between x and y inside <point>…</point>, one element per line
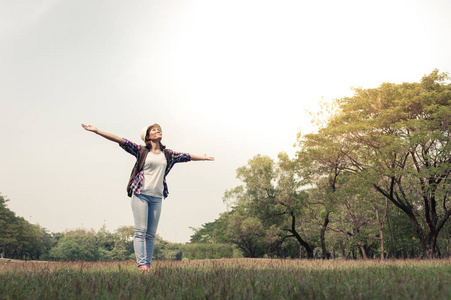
<point>21,240</point>
<point>373,181</point>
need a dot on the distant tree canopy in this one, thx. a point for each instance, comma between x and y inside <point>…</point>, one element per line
<point>22,240</point>
<point>19,238</point>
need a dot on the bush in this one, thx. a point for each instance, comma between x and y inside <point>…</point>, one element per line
<point>209,251</point>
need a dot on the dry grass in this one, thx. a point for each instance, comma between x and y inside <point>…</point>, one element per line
<point>228,279</point>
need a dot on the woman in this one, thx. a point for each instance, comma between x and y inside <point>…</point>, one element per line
<point>147,186</point>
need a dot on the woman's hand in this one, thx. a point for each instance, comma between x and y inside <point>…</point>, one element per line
<point>204,157</point>
<point>108,136</point>
<point>89,127</point>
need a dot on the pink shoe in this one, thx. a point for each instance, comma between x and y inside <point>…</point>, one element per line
<point>144,268</point>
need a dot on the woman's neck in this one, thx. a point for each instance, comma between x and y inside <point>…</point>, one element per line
<point>154,146</point>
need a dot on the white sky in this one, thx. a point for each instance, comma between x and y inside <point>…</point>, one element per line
<point>228,78</point>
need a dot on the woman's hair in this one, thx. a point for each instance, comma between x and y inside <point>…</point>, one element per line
<point>162,147</point>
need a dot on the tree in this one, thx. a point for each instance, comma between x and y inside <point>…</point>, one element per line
<point>321,205</point>
<point>397,138</point>
<point>166,250</point>
<point>7,219</point>
<point>212,232</point>
<point>321,163</point>
<point>291,202</point>
<point>123,244</point>
<point>77,245</point>
<point>18,238</point>
<point>247,233</point>
<point>355,218</point>
<point>28,243</point>
<point>269,201</point>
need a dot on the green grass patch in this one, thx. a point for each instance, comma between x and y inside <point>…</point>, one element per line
<point>229,279</point>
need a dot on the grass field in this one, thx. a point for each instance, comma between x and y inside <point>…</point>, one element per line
<point>228,279</point>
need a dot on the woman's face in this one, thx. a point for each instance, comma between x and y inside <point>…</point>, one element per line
<point>154,133</point>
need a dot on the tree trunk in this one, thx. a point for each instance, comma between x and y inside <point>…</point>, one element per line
<point>323,233</point>
<point>381,225</point>
<point>428,239</point>
<point>362,250</point>
<point>304,244</point>
<point>429,246</point>
<point>428,242</point>
<point>390,233</point>
<point>381,233</point>
<point>298,237</point>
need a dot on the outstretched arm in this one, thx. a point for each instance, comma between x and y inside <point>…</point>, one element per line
<point>204,157</point>
<point>108,136</point>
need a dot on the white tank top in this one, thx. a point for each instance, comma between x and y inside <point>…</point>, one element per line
<point>154,168</point>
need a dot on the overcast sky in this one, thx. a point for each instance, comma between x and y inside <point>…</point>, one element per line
<point>231,79</point>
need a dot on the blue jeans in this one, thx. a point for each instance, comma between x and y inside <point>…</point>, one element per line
<point>146,212</point>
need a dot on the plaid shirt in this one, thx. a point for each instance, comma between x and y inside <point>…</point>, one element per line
<point>175,157</point>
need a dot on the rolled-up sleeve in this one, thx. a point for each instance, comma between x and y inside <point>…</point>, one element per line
<point>131,148</point>
<point>180,157</point>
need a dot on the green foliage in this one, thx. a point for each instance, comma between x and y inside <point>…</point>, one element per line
<point>78,245</point>
<point>88,245</point>
<point>268,208</point>
<point>395,139</point>
<point>18,238</point>
<point>209,251</point>
<point>212,232</point>
<point>402,241</point>
<point>247,233</point>
<point>165,250</point>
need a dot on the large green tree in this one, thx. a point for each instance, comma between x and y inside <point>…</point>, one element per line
<point>397,139</point>
<point>270,203</point>
<point>18,238</point>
